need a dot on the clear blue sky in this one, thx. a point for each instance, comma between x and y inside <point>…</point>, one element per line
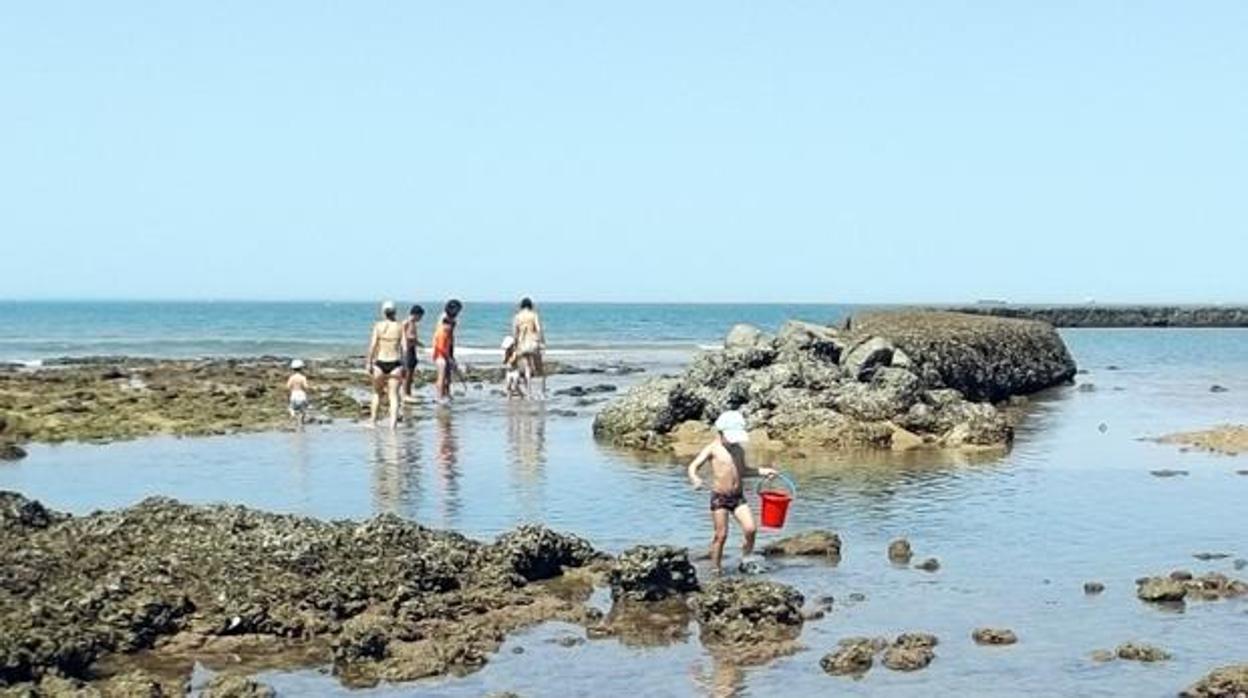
<point>804,151</point>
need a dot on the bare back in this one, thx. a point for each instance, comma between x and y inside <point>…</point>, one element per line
<point>389,338</point>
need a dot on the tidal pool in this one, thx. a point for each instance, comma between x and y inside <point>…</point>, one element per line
<point>1017,536</point>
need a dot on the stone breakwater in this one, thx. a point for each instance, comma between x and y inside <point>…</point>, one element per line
<point>1119,315</point>
<point>888,380</point>
<point>81,598</point>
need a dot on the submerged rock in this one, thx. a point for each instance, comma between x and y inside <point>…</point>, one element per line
<point>1093,588</point>
<point>1140,652</point>
<point>11,452</point>
<point>898,380</point>
<point>994,636</point>
<point>233,686</point>
<point>931,564</point>
<point>652,573</point>
<point>1226,682</point>
<point>824,544</point>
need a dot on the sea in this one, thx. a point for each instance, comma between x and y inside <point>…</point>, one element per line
<point>1076,499</point>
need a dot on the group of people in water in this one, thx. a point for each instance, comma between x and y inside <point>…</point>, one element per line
<point>393,355</point>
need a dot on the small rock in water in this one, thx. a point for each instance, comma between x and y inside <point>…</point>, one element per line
<point>1103,427</point>
<point>853,659</point>
<point>811,544</point>
<point>908,658</point>
<point>517,650</point>
<point>12,452</point>
<point>568,640</point>
<point>1241,472</point>
<point>1093,587</point>
<point>1180,575</point>
<point>1167,473</point>
<point>1240,564</point>
<point>931,564</point>
<point>752,566</point>
<point>1113,367</point>
<point>1087,387</point>
<point>857,597</point>
<point>1140,652</point>
<point>1215,388</point>
<point>1161,590</point>
<point>899,551</point>
<point>1210,556</point>
<point>994,636</point>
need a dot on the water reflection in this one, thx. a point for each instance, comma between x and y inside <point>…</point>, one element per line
<point>721,679</point>
<point>526,454</point>
<point>447,456</point>
<point>396,472</point>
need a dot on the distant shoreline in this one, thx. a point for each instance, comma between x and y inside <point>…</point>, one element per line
<point>1147,316</point>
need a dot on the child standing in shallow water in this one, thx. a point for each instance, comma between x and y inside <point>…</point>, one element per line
<point>727,458</point>
<point>297,385</point>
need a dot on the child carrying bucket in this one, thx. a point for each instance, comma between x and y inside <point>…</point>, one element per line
<point>728,468</point>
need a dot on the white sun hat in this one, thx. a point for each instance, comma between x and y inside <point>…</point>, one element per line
<point>732,425</point>
<point>508,342</point>
<point>387,306</point>
<point>296,364</point>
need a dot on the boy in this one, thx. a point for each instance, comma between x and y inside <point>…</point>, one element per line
<point>411,342</point>
<point>444,350</point>
<point>297,384</point>
<point>727,458</point>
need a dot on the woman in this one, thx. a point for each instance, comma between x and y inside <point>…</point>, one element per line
<point>384,362</point>
<point>444,350</point>
<point>526,327</point>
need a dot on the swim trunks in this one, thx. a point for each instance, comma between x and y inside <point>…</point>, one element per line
<point>386,367</point>
<point>727,500</point>
<point>298,400</point>
<point>410,359</point>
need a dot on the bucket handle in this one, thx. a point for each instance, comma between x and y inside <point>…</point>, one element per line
<point>758,486</point>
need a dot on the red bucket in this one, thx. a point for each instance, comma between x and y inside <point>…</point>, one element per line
<point>774,504</point>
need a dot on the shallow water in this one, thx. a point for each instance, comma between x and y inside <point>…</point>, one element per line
<point>1016,536</point>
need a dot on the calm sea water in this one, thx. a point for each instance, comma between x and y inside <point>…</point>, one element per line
<point>1016,535</point>
<point>32,331</point>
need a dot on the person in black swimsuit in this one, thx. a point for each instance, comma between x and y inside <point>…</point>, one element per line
<point>385,355</point>
<point>411,342</point>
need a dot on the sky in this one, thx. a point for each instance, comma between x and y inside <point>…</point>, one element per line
<point>915,150</point>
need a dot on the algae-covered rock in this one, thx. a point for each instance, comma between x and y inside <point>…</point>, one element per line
<point>1141,652</point>
<point>828,388</point>
<point>994,636</point>
<point>652,573</point>
<point>849,660</point>
<point>392,599</point>
<point>536,552</point>
<point>825,544</point>
<point>1225,682</point>
<point>899,551</point>
<point>1161,590</point>
<point>749,615</point>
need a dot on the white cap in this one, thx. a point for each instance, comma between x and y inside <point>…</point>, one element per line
<point>387,306</point>
<point>732,425</point>
<point>508,342</point>
<point>296,364</point>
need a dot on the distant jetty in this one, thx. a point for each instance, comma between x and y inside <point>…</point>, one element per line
<point>1089,315</point>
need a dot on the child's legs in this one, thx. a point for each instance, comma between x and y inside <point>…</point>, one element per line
<point>392,390</point>
<point>379,386</point>
<point>745,517</point>
<point>439,378</point>
<point>719,519</point>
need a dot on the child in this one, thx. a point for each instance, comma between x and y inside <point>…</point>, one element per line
<point>297,384</point>
<point>444,350</point>
<point>411,342</point>
<point>727,459</point>
<point>510,357</point>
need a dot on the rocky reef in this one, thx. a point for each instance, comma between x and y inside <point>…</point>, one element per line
<point>111,398</point>
<point>894,380</point>
<point>1088,315</point>
<point>383,599</point>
